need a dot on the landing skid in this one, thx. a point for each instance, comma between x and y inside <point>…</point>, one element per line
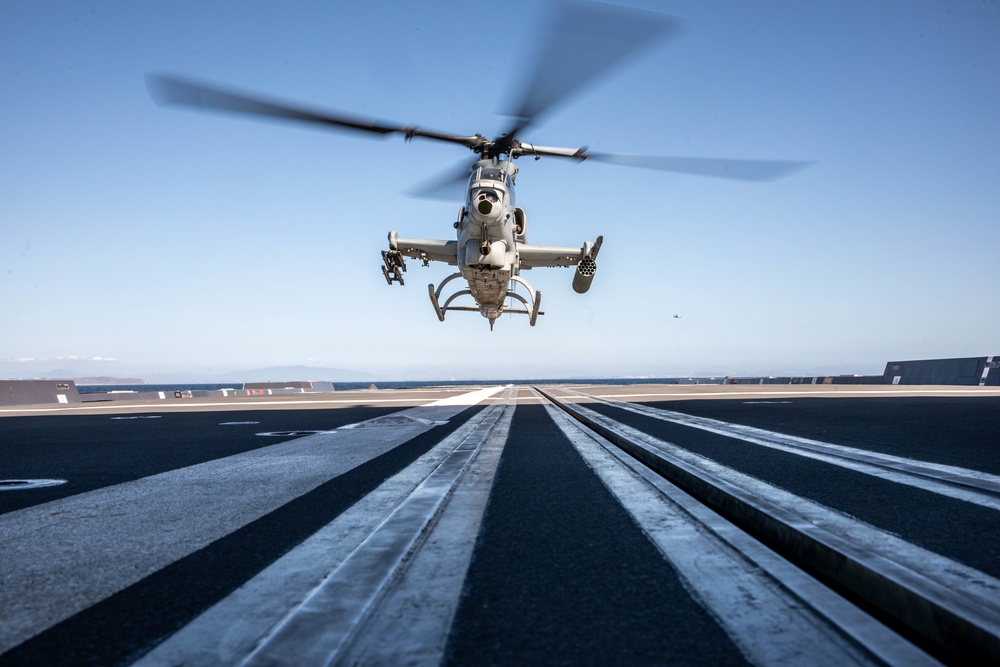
<point>531,303</point>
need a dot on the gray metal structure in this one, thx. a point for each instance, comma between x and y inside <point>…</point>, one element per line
<point>29,392</point>
<point>967,371</point>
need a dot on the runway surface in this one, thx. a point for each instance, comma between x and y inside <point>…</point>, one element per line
<point>490,526</point>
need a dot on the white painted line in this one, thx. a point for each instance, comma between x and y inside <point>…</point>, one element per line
<point>756,595</point>
<point>49,550</point>
<point>965,591</point>
<point>470,398</point>
<point>230,630</point>
<point>412,622</point>
<point>324,623</point>
<point>979,488</point>
<point>20,484</point>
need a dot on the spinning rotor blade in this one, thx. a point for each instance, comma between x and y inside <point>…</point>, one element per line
<point>744,170</point>
<point>445,185</point>
<point>586,41</point>
<point>172,91</point>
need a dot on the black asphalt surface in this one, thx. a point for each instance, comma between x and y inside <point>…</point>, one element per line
<point>123,627</point>
<point>958,431</point>
<point>955,431</point>
<point>94,451</point>
<point>560,574</point>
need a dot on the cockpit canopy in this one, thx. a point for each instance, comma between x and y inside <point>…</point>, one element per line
<point>499,173</point>
<point>492,174</point>
<point>492,180</point>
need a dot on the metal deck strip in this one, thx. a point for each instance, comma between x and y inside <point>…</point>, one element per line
<point>777,614</point>
<point>950,605</point>
<point>314,632</point>
<point>963,484</point>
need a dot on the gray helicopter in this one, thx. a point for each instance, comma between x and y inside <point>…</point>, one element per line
<point>491,249</point>
<point>584,41</point>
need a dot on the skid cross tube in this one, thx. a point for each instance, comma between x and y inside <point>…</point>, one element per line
<point>531,303</point>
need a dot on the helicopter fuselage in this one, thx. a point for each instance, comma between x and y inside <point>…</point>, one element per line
<point>488,235</point>
<point>490,250</point>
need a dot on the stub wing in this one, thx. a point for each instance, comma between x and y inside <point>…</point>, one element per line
<point>536,256</point>
<point>426,250</point>
<point>532,256</point>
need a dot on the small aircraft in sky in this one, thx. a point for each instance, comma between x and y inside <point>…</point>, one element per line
<point>490,248</point>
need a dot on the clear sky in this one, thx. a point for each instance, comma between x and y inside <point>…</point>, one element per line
<point>152,240</point>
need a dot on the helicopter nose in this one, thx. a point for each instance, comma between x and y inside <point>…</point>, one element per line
<point>487,206</point>
<point>485,201</point>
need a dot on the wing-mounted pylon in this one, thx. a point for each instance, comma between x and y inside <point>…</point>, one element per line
<point>584,259</point>
<point>425,250</point>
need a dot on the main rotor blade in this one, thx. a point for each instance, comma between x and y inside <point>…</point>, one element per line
<point>744,170</point>
<point>169,90</point>
<point>448,184</point>
<point>585,41</point>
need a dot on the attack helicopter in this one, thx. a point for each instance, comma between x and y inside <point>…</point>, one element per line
<point>584,41</point>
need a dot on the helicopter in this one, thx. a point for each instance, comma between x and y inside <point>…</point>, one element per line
<point>584,41</point>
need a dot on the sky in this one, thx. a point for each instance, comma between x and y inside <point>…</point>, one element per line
<point>143,241</point>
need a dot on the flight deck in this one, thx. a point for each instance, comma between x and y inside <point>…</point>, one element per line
<point>506,524</point>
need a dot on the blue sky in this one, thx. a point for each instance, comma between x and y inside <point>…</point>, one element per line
<point>153,240</point>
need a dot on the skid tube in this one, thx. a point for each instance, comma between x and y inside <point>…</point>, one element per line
<point>531,305</point>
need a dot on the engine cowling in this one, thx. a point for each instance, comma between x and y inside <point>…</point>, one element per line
<point>585,271</point>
